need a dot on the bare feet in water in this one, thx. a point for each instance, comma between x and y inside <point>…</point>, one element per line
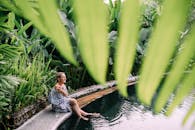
<point>93,114</point>
<point>84,118</point>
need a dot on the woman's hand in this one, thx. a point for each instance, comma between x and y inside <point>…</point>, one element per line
<point>60,90</point>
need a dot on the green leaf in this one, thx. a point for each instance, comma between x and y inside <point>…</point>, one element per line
<point>177,71</point>
<point>185,88</point>
<point>24,28</point>
<point>126,45</point>
<point>50,25</point>
<point>56,29</point>
<point>31,14</point>
<point>111,4</point>
<point>9,52</point>
<point>9,4</point>
<point>92,22</point>
<point>161,47</point>
<point>10,23</point>
<point>190,112</point>
<point>3,104</point>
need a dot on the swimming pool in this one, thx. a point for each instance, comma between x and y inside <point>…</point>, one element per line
<point>128,114</point>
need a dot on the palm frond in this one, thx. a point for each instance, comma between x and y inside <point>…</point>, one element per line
<point>190,112</point>
<point>177,72</point>
<point>92,30</point>
<point>186,87</point>
<point>8,84</point>
<point>8,51</point>
<point>128,36</point>
<point>161,47</point>
<point>9,81</point>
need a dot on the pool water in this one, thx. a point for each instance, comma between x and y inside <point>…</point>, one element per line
<point>118,113</point>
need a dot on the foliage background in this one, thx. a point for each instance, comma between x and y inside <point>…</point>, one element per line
<point>36,42</point>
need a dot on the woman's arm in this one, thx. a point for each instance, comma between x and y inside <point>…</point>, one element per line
<point>60,90</point>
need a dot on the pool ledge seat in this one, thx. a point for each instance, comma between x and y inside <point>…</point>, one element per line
<point>45,120</point>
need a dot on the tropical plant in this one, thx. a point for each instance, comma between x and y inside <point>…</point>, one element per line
<point>38,78</point>
<point>22,53</point>
<point>8,82</point>
<point>20,47</point>
<point>92,19</point>
<point>114,13</point>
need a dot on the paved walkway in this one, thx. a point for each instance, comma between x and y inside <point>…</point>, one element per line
<point>49,120</point>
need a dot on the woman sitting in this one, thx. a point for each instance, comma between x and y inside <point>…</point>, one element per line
<point>60,101</point>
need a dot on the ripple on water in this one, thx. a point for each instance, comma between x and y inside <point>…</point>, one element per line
<point>129,114</point>
<point>134,116</point>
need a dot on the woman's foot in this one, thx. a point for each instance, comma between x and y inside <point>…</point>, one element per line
<point>94,114</point>
<point>84,118</point>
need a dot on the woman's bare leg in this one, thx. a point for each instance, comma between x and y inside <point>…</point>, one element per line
<point>89,114</point>
<point>77,109</point>
<point>84,113</point>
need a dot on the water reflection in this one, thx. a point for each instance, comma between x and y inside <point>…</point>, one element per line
<point>128,114</point>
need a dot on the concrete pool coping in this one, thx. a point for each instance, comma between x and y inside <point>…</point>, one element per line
<point>49,120</point>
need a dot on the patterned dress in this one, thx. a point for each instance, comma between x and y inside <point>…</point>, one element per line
<point>59,102</point>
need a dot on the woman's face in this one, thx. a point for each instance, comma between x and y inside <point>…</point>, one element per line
<point>63,78</point>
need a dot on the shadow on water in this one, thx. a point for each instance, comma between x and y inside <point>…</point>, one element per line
<point>127,114</point>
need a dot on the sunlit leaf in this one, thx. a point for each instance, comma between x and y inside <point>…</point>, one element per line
<point>9,5</point>
<point>92,22</point>
<point>126,45</point>
<point>185,88</point>
<point>177,71</point>
<point>32,15</point>
<point>161,47</point>
<point>189,113</point>
<point>10,23</point>
<point>56,29</point>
